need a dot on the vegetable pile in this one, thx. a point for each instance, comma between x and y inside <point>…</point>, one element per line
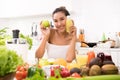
<point>9,61</point>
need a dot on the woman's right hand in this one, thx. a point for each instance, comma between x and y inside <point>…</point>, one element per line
<point>45,31</point>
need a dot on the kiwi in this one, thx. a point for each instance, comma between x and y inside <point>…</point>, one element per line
<point>95,70</point>
<point>109,69</point>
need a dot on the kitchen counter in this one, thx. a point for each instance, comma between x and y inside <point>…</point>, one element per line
<point>115,52</point>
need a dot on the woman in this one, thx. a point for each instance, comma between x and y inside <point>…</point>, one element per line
<point>58,42</point>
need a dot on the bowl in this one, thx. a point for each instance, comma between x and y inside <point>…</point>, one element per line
<point>47,69</point>
<point>91,44</point>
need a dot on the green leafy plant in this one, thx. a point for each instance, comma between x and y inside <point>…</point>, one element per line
<point>9,61</point>
<point>28,39</point>
<point>4,36</point>
<point>2,31</point>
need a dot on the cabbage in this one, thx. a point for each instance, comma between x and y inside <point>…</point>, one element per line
<point>9,60</point>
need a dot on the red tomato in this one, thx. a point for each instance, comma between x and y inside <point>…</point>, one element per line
<point>24,74</point>
<point>18,68</point>
<point>22,68</point>
<point>18,75</point>
<point>21,72</point>
<point>21,75</point>
<point>76,75</point>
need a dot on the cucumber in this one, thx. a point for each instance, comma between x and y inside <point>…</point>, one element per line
<point>101,77</point>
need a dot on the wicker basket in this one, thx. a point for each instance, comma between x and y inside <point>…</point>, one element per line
<point>9,76</point>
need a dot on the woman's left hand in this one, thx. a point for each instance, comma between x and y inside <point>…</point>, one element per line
<point>73,31</point>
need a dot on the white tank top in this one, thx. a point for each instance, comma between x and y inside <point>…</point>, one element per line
<point>56,51</point>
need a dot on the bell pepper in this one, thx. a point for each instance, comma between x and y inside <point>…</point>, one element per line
<point>36,73</point>
<point>31,71</point>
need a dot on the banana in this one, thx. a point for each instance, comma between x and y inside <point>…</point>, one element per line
<point>69,23</point>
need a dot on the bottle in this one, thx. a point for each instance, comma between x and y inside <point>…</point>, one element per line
<point>82,38</point>
<point>103,37</point>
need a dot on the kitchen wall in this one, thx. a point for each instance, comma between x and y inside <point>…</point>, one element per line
<point>94,16</point>
<point>98,16</point>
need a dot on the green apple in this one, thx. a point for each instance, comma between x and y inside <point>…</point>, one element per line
<point>45,23</point>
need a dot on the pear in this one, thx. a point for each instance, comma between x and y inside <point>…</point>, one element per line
<point>45,23</point>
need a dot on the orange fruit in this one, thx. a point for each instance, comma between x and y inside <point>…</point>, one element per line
<point>60,61</point>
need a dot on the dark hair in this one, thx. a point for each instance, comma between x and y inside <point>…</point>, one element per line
<point>61,9</point>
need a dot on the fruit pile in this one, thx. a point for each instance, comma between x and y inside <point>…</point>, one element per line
<point>101,64</point>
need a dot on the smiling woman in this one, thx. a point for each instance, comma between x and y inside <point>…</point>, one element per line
<point>57,41</point>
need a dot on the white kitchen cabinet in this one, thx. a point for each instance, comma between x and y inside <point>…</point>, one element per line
<point>114,52</point>
<point>22,8</point>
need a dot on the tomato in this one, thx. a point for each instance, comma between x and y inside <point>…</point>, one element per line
<point>18,68</point>
<point>76,75</point>
<point>22,68</point>
<point>24,74</point>
<point>18,75</point>
<point>21,72</point>
<point>21,75</point>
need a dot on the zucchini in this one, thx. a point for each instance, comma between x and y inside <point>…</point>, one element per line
<point>100,77</point>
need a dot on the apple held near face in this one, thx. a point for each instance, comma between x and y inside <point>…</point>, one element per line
<point>45,23</point>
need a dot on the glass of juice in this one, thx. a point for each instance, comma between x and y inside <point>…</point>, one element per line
<point>82,59</point>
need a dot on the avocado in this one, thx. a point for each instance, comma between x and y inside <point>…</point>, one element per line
<point>108,62</point>
<point>73,70</point>
<point>95,61</point>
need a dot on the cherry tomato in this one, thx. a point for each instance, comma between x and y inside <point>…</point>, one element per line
<point>76,75</point>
